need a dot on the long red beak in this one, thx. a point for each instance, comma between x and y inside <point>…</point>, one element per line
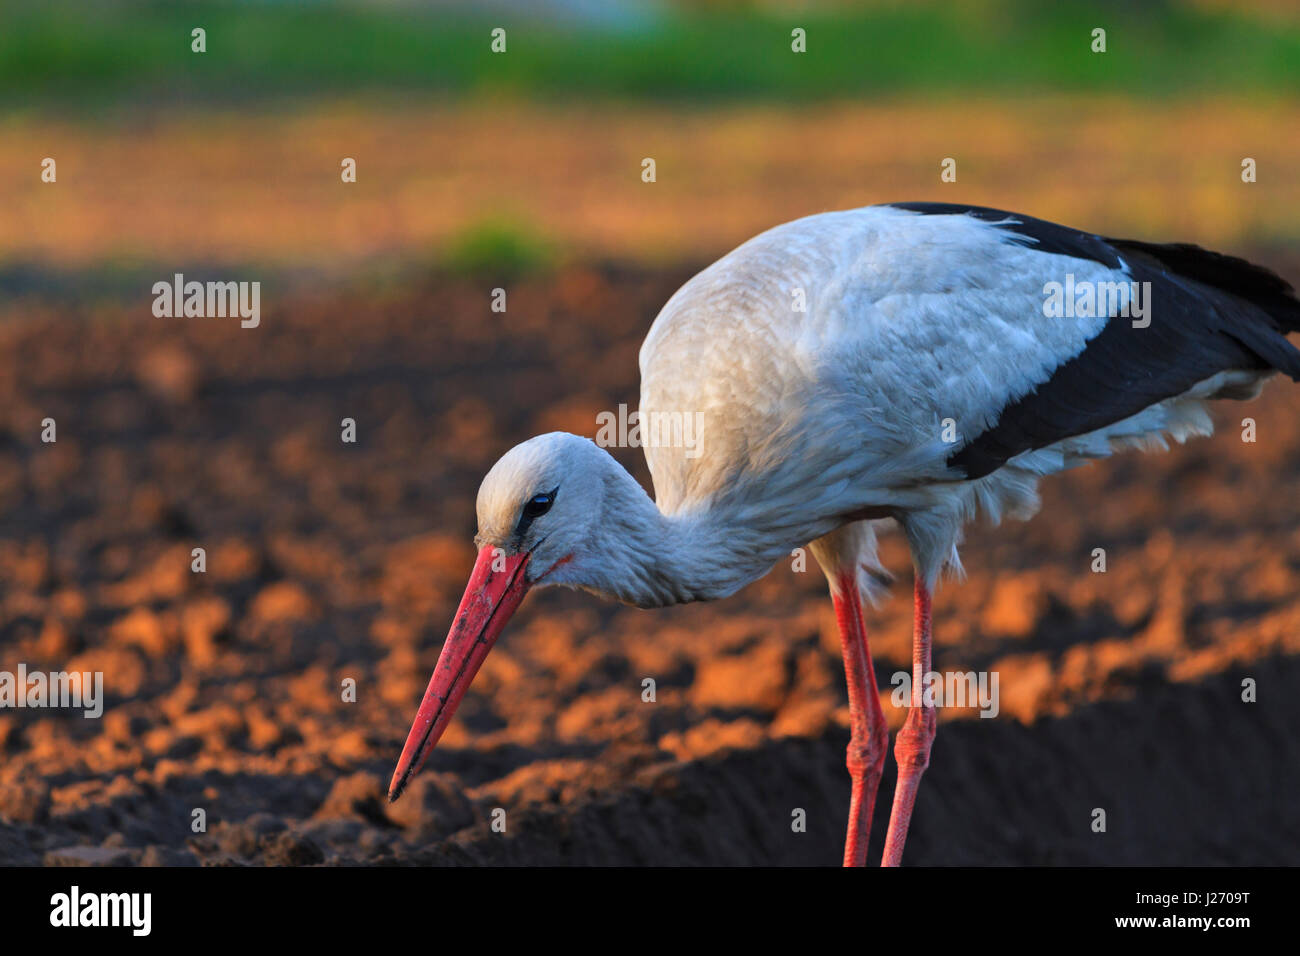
<point>491,596</point>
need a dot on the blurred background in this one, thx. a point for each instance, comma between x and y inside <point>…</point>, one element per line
<point>522,170</point>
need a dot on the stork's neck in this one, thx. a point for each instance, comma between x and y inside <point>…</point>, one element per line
<point>644,557</point>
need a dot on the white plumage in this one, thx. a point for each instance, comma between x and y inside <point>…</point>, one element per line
<point>910,320</point>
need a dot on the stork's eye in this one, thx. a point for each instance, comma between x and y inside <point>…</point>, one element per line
<point>538,505</point>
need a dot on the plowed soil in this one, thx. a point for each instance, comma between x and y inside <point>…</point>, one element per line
<point>329,561</point>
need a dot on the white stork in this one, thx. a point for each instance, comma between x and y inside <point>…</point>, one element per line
<point>913,363</point>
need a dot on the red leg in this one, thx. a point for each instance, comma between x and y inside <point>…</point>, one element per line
<point>870,735</point>
<point>912,748</point>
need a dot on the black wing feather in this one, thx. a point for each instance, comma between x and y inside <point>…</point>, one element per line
<point>1209,313</point>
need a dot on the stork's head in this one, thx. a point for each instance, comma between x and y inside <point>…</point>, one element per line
<point>540,510</point>
<point>541,501</point>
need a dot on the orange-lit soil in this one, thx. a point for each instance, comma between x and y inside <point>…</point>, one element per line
<point>328,561</point>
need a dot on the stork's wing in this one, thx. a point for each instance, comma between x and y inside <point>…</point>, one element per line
<point>834,356</point>
<point>1207,313</point>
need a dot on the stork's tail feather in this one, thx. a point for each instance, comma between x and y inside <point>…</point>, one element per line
<point>1261,287</point>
